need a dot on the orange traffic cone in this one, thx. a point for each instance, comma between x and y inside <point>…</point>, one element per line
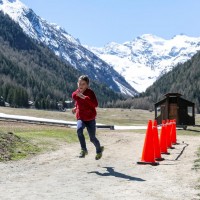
<point>148,155</point>
<point>168,132</point>
<point>163,139</point>
<point>156,142</point>
<point>173,132</point>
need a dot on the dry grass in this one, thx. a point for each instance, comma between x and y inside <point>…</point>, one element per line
<point>40,138</point>
<point>39,113</point>
<point>111,116</point>
<point>105,116</point>
<point>118,116</point>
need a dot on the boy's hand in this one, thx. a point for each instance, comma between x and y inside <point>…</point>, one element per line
<point>74,110</point>
<point>80,95</point>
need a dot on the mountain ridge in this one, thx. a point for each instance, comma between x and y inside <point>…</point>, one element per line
<point>31,71</point>
<point>129,68</point>
<point>147,57</point>
<point>66,47</point>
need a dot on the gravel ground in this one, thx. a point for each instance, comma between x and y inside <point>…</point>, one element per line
<point>61,175</point>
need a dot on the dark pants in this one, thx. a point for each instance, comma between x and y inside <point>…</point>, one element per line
<point>91,128</point>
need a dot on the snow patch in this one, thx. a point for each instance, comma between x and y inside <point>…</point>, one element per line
<point>142,61</point>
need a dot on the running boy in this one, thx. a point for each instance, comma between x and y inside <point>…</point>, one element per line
<point>85,109</point>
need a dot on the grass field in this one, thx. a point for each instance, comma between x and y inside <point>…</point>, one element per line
<point>50,137</point>
<point>113,116</point>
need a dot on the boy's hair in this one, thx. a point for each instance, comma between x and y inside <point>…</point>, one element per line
<point>84,78</point>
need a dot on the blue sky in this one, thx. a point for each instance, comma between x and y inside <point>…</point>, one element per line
<point>97,22</point>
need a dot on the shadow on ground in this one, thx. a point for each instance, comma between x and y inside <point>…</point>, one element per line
<point>112,172</point>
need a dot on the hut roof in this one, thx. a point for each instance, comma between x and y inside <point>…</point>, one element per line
<point>168,95</point>
<point>173,95</point>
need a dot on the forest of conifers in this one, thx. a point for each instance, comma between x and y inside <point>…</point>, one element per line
<point>29,71</point>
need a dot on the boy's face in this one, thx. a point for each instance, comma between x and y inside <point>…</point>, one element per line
<point>82,85</point>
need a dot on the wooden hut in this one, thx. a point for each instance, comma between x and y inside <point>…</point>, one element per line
<point>173,106</point>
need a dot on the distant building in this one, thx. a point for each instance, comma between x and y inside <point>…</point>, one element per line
<point>7,104</point>
<point>173,106</point>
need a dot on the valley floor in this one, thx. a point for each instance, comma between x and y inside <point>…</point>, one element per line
<point>61,175</point>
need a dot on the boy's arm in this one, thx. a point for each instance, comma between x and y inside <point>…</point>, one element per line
<point>74,96</point>
<point>92,100</point>
<point>74,109</point>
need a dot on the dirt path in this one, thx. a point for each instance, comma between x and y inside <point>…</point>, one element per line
<point>61,175</point>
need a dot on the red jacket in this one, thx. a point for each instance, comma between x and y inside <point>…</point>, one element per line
<point>85,108</point>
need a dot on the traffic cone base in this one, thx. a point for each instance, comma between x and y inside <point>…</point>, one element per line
<point>176,143</point>
<point>166,153</point>
<point>148,163</point>
<point>160,159</point>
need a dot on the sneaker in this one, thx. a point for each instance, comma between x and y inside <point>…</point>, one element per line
<point>99,155</point>
<point>83,153</point>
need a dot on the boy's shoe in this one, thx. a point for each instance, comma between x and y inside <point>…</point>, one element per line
<point>99,155</point>
<point>83,153</point>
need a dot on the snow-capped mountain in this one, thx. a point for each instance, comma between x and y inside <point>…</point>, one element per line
<point>65,46</point>
<point>143,60</point>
